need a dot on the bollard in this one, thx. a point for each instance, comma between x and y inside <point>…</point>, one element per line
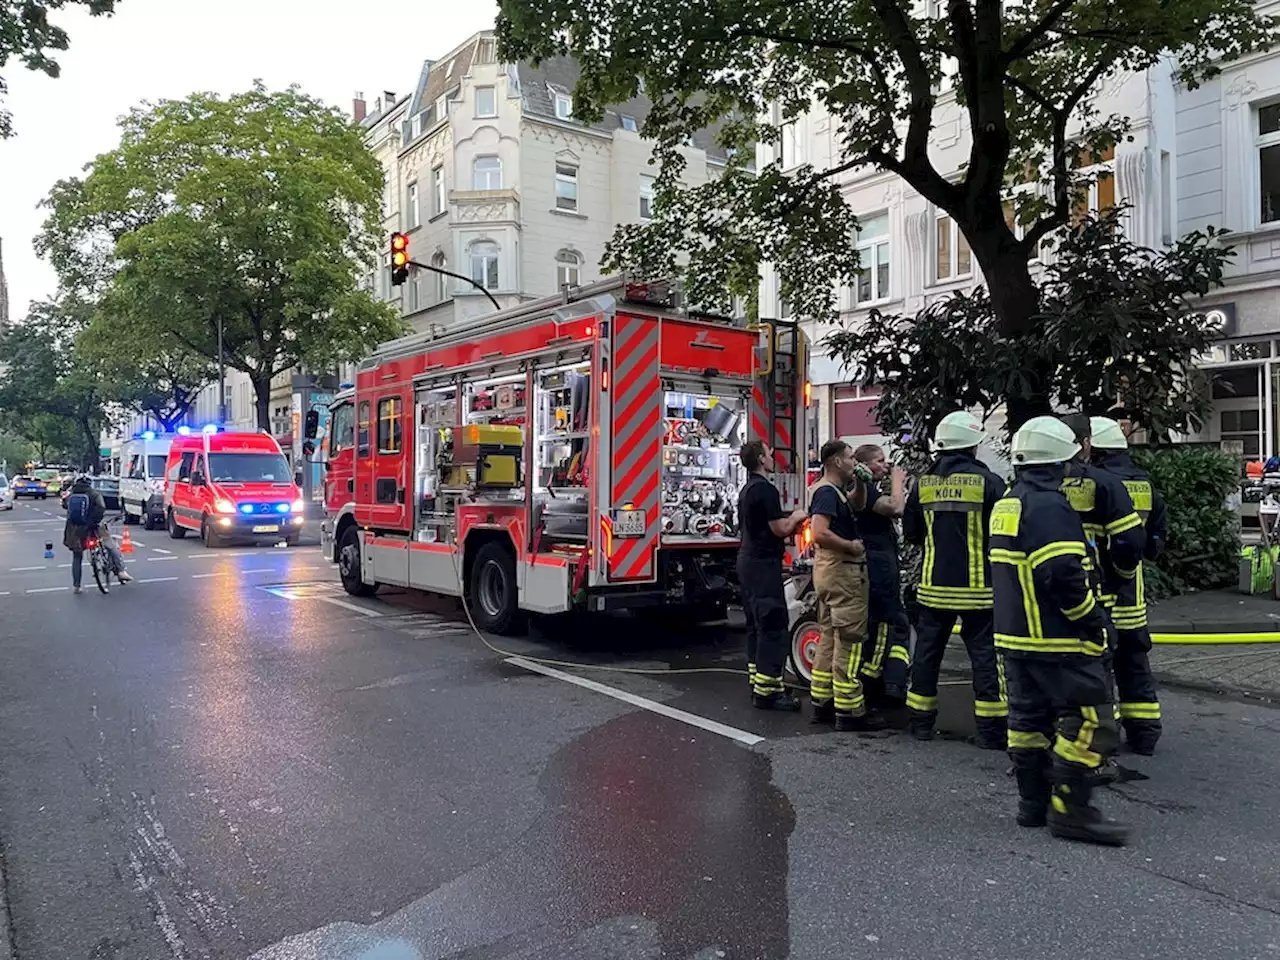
<point>48,549</point>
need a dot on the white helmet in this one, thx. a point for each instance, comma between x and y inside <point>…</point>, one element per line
<point>1043,440</point>
<point>1107,434</point>
<point>960,430</point>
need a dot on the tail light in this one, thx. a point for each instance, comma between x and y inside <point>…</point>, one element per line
<point>91,543</point>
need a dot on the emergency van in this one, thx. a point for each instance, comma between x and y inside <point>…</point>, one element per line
<point>575,452</point>
<point>228,485</point>
<point>142,463</point>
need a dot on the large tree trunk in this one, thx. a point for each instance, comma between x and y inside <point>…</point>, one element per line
<point>262,394</point>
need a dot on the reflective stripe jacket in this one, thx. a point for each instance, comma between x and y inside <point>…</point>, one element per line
<point>1044,602</point>
<point>1130,610</point>
<point>1112,527</point>
<point>947,513</point>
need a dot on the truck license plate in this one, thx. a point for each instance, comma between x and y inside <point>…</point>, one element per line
<point>267,528</point>
<point>629,523</point>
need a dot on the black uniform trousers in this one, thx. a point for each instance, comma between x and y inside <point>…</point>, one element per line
<point>1138,708</point>
<point>933,630</point>
<point>765,605</point>
<point>885,654</point>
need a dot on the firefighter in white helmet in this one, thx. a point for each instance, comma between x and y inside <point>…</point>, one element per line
<point>1052,634</point>
<point>947,515</point>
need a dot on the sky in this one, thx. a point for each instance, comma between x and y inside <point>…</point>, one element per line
<point>167,49</point>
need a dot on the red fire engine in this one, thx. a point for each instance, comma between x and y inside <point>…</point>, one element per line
<point>578,451</point>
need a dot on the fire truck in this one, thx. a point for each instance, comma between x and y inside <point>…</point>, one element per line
<point>574,452</point>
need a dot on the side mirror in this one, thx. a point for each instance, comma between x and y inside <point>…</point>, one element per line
<point>312,424</point>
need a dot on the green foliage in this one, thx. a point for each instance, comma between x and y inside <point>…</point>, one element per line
<point>258,211</point>
<point>14,451</point>
<point>1115,320</point>
<point>1203,534</point>
<point>1026,75</point>
<point>26,33</point>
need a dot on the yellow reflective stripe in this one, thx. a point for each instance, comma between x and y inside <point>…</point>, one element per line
<point>1027,740</point>
<point>899,653</point>
<point>1125,574</point>
<point>1012,641</point>
<point>1080,750</point>
<point>1030,609</point>
<point>1142,589</point>
<point>1004,690</point>
<point>1060,548</point>
<point>1082,608</point>
<point>954,603</point>
<point>918,702</point>
<point>973,530</point>
<point>926,568</point>
<point>990,708</point>
<point>1123,524</point>
<point>957,591</point>
<point>1138,711</point>
<point>1001,555</point>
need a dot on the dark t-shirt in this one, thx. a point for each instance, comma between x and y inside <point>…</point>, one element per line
<point>827,503</point>
<point>877,531</point>
<point>759,503</point>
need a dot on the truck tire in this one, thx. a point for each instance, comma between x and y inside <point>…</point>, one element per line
<point>349,565</point>
<point>492,595</point>
<point>804,647</point>
<point>147,522</point>
<point>126,516</point>
<point>175,532</point>
<point>208,534</point>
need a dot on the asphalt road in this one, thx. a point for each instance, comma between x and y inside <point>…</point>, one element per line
<point>231,758</point>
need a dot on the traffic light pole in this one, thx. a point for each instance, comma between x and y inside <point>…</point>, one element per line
<point>458,276</point>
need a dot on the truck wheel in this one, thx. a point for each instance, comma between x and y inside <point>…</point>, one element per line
<point>805,637</point>
<point>208,534</point>
<point>147,522</point>
<point>492,596</point>
<point>126,516</point>
<point>175,532</point>
<point>349,565</point>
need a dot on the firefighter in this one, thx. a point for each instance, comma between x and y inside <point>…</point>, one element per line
<point>1052,634</point>
<point>947,514</point>
<point>764,530</point>
<point>884,657</point>
<point>1138,707</point>
<point>840,582</point>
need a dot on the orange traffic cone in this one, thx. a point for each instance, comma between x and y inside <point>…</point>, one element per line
<point>126,542</point>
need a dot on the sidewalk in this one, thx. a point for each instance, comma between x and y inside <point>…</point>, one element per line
<point>1217,665</point>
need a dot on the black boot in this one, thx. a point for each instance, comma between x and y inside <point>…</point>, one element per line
<point>922,723</point>
<point>895,694</point>
<point>1141,736</point>
<point>992,733</point>
<point>775,701</point>
<point>1032,772</point>
<point>1071,817</point>
<point>867,723</point>
<point>823,711</point>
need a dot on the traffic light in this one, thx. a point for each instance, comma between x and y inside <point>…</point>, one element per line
<point>399,259</point>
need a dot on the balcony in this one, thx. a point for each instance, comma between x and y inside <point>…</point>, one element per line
<point>486,206</point>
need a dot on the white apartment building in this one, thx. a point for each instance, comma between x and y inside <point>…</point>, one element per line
<point>1208,156</point>
<point>491,176</point>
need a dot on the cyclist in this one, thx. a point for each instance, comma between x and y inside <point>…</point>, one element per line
<point>85,512</point>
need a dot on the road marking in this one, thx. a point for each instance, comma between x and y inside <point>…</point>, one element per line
<point>350,606</point>
<point>653,706</point>
<point>204,576</point>
<point>157,580</point>
<point>158,559</point>
<point>4,593</point>
<point>161,550</point>
<point>260,570</point>
<point>47,589</point>
<point>25,569</point>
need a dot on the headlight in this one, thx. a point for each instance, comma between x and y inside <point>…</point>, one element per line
<point>224,506</point>
<point>299,506</point>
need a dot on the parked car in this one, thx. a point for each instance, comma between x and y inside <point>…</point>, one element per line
<point>30,487</point>
<point>6,493</point>
<point>109,487</point>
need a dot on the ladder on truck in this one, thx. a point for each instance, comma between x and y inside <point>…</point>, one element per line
<point>776,412</point>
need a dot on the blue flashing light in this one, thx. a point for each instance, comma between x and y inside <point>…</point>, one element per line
<point>246,508</point>
<point>209,428</point>
<point>148,434</point>
<point>184,430</point>
<point>283,508</point>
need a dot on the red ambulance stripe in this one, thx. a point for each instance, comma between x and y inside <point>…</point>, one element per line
<point>629,373</point>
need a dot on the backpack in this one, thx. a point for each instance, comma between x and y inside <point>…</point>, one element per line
<point>78,509</point>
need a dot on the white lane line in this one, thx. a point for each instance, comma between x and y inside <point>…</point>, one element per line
<point>653,706</point>
<point>158,559</point>
<point>47,589</point>
<point>158,580</point>
<point>260,570</point>
<point>204,576</point>
<point>161,550</point>
<point>350,606</point>
<point>25,569</point>
<point>4,593</point>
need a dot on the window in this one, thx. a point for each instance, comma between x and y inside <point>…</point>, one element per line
<point>566,186</point>
<point>484,264</point>
<point>415,128</point>
<point>442,282</point>
<point>790,146</point>
<point>872,285</point>
<point>564,106</point>
<point>1101,195</point>
<point>629,123</point>
<point>385,291</point>
<point>646,197</point>
<point>487,174</point>
<point>952,257</point>
<point>249,468</point>
<point>342,433</point>
<point>362,438</point>
<point>413,294</point>
<point>1269,162</point>
<point>390,424</point>
<point>568,269</point>
<point>411,205</point>
<point>197,472</point>
<point>486,102</point>
<point>784,308</point>
<point>442,108</point>
<point>184,466</point>
<point>1166,198</point>
<point>437,190</point>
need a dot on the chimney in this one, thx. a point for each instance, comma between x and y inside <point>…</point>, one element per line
<point>358,107</point>
<point>389,98</point>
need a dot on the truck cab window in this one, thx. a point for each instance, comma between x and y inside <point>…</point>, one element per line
<point>342,433</point>
<point>184,468</point>
<point>390,424</point>
<point>362,438</point>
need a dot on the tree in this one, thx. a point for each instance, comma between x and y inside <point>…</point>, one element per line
<point>1114,318</point>
<point>26,33</point>
<point>257,213</point>
<point>1026,76</point>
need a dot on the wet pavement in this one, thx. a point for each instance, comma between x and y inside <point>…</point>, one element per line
<point>235,759</point>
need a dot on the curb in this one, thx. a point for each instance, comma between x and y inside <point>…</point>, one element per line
<point>6,922</point>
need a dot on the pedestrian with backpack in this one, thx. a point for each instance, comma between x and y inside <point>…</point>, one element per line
<point>85,511</point>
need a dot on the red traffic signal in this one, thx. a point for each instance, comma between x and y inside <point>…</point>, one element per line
<point>399,259</point>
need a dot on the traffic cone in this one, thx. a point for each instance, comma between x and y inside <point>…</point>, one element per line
<point>126,542</point>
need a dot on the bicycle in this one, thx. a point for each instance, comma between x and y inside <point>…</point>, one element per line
<point>100,559</point>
